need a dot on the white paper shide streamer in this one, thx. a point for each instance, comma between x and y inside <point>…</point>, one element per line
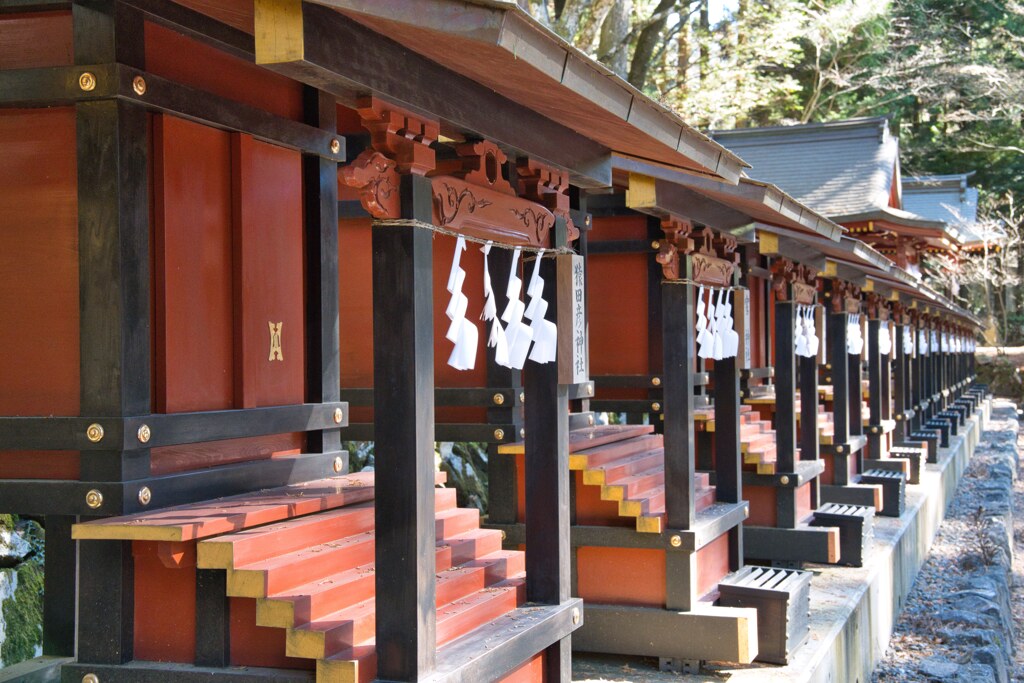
<point>716,337</point>
<point>908,342</point>
<point>884,338</point>
<point>461,332</point>
<point>805,337</point>
<point>854,336</point>
<point>496,339</point>
<point>544,332</point>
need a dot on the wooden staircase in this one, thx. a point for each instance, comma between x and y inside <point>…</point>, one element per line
<point>312,575</point>
<point>628,463</point>
<point>757,438</point>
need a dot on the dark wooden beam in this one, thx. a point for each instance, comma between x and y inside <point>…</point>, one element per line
<point>348,59</point>
<point>679,345</point>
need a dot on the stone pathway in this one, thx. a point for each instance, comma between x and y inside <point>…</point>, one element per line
<point>956,624</point>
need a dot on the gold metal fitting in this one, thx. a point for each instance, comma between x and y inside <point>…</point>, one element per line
<point>338,465</point>
<point>590,420</point>
<point>499,434</point>
<point>589,390</point>
<point>575,615</point>
<point>90,678</point>
<point>139,85</point>
<point>499,399</point>
<point>335,146</point>
<point>338,416</point>
<point>522,432</point>
<point>94,432</point>
<point>145,495</point>
<point>675,541</point>
<point>784,479</point>
<point>655,406</point>
<point>144,434</point>
<point>828,380</point>
<point>839,449</point>
<point>504,534</point>
<point>94,498</point>
<point>655,244</point>
<point>87,81</point>
<point>874,430</point>
<point>828,366</point>
<point>522,397</point>
<point>656,381</point>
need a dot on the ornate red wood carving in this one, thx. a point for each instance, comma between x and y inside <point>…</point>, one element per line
<point>803,293</point>
<point>677,239</point>
<point>784,272</point>
<point>399,134</point>
<point>546,186</point>
<point>899,313</point>
<point>853,299</point>
<point>489,214</point>
<point>711,270</point>
<point>877,307</point>
<point>377,179</point>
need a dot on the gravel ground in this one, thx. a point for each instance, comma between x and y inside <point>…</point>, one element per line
<point>920,635</point>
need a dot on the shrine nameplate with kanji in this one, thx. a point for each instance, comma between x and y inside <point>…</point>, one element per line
<point>573,367</point>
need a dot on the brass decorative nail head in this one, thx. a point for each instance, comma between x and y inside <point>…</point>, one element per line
<point>338,416</point>
<point>338,465</point>
<point>656,381</point>
<point>676,540</point>
<point>144,434</point>
<point>522,432</point>
<point>90,678</point>
<point>499,399</point>
<point>784,479</point>
<point>590,420</point>
<point>139,85</point>
<point>87,81</point>
<point>655,244</point>
<point>504,534</point>
<point>335,146</point>
<point>575,615</point>
<point>94,498</point>
<point>145,495</point>
<point>655,406</point>
<point>522,397</point>
<point>499,434</point>
<point>94,432</point>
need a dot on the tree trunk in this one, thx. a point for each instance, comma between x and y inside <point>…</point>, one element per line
<point>613,50</point>
<point>704,42</point>
<point>646,44</point>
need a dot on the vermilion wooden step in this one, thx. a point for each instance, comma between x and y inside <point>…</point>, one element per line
<point>589,437</point>
<point>592,457</point>
<point>624,467</point>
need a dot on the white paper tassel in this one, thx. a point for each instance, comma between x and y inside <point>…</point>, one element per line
<point>519,334</point>
<point>812,334</point>
<point>461,332</point>
<point>908,342</point>
<point>935,342</point>
<point>707,338</point>
<point>732,338</point>
<point>544,332</point>
<point>884,340</point>
<point>922,342</point>
<point>854,338</point>
<point>496,339</point>
<point>718,352</point>
<point>800,345</point>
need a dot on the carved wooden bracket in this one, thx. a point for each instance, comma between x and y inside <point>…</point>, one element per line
<point>845,297</point>
<point>377,179</point>
<point>803,293</point>
<point>400,135</point>
<point>877,307</point>
<point>852,299</point>
<point>677,239</point>
<point>784,273</point>
<point>547,186</point>
<point>490,214</point>
<point>899,313</point>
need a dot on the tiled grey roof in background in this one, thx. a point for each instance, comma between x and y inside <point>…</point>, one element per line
<point>838,169</point>
<point>942,198</point>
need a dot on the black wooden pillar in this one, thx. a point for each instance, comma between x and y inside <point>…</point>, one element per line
<point>901,384</point>
<point>114,285</point>
<point>874,389</point>
<point>679,344</point>
<point>917,373</point>
<point>840,395</point>
<point>320,197</point>
<point>785,409</point>
<point>855,393</point>
<point>502,484</point>
<point>403,374</point>
<point>678,338</point>
<point>547,485</point>
<point>728,465</point>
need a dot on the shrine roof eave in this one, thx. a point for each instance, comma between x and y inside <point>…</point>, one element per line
<point>725,206</point>
<point>500,46</point>
<point>846,249</point>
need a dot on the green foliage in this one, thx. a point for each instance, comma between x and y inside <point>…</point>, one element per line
<point>7,522</point>
<point>24,614</point>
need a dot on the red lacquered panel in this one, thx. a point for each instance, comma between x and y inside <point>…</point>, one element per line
<point>165,607</point>
<point>621,576</point>
<point>355,307</point>
<point>530,672</point>
<point>268,264</point>
<point>34,40</point>
<point>183,60</point>
<point>762,505</point>
<point>803,501</point>
<point>712,564</point>
<point>619,325</point>
<point>193,321</point>
<point>39,464</point>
